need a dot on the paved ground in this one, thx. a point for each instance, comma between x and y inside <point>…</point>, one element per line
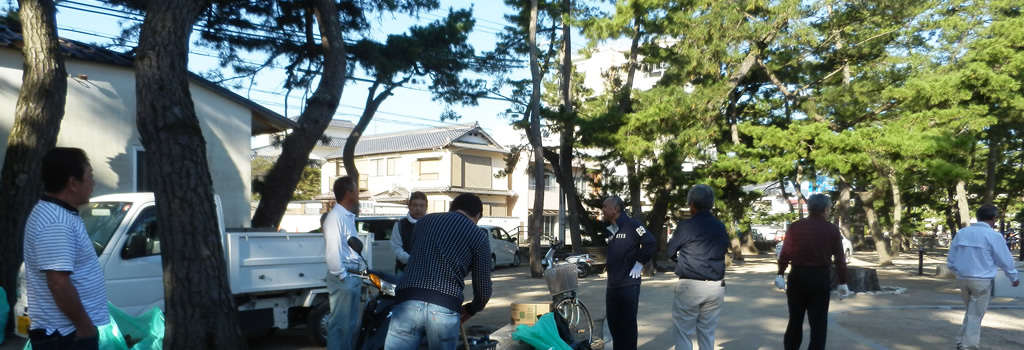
<point>754,316</point>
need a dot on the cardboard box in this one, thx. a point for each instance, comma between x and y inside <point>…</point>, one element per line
<point>528,313</point>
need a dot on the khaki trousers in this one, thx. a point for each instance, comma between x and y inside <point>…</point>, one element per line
<point>976,294</point>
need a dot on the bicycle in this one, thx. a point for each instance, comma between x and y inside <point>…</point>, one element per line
<point>562,280</point>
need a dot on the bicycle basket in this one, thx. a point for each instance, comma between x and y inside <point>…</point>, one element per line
<point>561,278</point>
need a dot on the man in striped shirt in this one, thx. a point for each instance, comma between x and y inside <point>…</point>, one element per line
<point>448,247</point>
<point>67,298</point>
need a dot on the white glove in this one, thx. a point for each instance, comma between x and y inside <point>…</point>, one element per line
<point>844,291</point>
<point>635,273</point>
<point>780,282</point>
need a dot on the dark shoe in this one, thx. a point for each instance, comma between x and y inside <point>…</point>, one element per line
<point>959,347</point>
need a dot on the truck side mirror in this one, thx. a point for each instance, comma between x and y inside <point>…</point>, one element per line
<point>135,247</point>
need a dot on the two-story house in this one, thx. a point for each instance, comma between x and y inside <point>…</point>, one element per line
<point>100,117</point>
<point>442,162</point>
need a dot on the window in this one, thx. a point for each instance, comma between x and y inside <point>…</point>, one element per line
<point>497,210</point>
<point>549,183</point>
<point>427,168</point>
<point>362,166</point>
<point>471,171</point>
<point>364,182</point>
<point>392,162</point>
<point>438,206</point>
<point>141,175</point>
<point>143,237</point>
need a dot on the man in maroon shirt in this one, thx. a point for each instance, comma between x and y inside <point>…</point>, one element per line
<point>810,246</point>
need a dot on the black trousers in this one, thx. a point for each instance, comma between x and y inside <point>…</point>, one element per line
<point>621,305</point>
<point>807,292</point>
<point>41,341</point>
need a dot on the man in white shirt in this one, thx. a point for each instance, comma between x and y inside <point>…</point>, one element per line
<point>974,255</point>
<point>401,234</point>
<point>344,288</point>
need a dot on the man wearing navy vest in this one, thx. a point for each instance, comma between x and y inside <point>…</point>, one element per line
<point>630,246</point>
<point>401,234</point>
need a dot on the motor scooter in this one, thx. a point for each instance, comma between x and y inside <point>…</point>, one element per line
<point>376,315</point>
<point>583,261</point>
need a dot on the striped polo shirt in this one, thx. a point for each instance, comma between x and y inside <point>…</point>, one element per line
<point>56,240</point>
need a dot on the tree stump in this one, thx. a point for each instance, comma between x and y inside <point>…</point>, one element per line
<point>862,280</point>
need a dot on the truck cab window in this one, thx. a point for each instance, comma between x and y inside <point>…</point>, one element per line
<point>143,236</point>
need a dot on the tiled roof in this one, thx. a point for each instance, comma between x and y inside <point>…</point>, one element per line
<point>420,139</point>
<point>453,189</point>
<point>337,142</point>
<point>268,122</point>
<point>397,195</point>
<point>335,123</point>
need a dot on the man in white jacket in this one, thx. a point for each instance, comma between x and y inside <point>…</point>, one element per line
<point>975,254</point>
<point>401,234</point>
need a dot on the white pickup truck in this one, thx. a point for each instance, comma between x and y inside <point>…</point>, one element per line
<point>277,278</point>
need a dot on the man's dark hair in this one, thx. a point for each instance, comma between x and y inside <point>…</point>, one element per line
<point>61,164</point>
<point>617,201</point>
<point>418,195</point>
<point>468,203</point>
<point>342,186</point>
<point>818,203</point>
<point>986,212</point>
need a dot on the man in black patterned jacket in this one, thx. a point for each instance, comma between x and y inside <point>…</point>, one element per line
<point>448,247</point>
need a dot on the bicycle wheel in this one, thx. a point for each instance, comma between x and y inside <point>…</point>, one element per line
<point>578,318</point>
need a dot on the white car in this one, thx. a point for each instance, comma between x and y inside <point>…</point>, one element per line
<point>847,249</point>
<point>504,248</point>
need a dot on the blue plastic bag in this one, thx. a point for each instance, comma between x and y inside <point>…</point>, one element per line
<point>542,335</point>
<point>5,310</point>
<point>145,332</point>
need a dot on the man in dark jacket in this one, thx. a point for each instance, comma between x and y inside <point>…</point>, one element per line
<point>630,246</point>
<point>698,246</point>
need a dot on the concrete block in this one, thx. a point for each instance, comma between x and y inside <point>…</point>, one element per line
<point>505,342</point>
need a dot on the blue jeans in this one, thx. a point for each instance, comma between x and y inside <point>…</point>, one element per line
<point>412,320</point>
<point>343,326</point>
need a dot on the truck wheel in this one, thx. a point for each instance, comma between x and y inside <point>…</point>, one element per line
<point>316,322</point>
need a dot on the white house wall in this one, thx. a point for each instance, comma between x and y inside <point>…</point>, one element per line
<point>100,118</point>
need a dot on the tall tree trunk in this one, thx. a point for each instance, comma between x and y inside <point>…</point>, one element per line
<point>991,176</point>
<point>37,119</point>
<point>200,312</point>
<point>655,223</point>
<point>868,202</point>
<point>373,102</point>
<point>843,209</point>
<point>626,107</point>
<point>799,191</point>
<point>897,215</point>
<point>785,196</point>
<point>952,213</point>
<point>961,203</point>
<point>537,221</point>
<point>567,138</point>
<point>320,109</point>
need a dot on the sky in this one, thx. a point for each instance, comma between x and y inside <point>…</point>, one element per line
<point>409,108</point>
